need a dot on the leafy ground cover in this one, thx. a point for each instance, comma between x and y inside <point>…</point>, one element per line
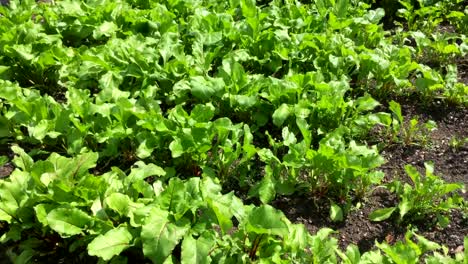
<point>233,132</point>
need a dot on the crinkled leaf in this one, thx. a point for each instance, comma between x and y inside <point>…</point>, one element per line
<point>111,243</point>
<point>205,89</point>
<point>68,221</point>
<point>281,114</point>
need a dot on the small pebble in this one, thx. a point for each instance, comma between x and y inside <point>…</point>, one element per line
<point>459,249</point>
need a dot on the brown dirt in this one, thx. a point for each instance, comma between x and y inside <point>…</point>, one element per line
<point>7,168</point>
<point>451,163</point>
<point>462,67</point>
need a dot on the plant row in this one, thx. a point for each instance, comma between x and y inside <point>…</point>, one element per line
<point>56,204</point>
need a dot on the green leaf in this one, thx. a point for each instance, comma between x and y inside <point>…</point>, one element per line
<point>304,128</point>
<point>249,8</point>
<point>341,8</point>
<point>396,110</point>
<point>267,220</point>
<point>288,137</point>
<point>366,103</point>
<point>381,214</point>
<point>353,256</point>
<point>425,244</point>
<point>443,221</point>
<point>297,237</point>
<point>197,250</point>
<point>111,243</point>
<point>404,207</point>
<point>160,236</point>
<point>205,89</point>
<point>413,174</point>
<point>203,113</point>
<point>336,213</point>
<point>374,16</point>
<point>106,29</point>
<point>176,198</point>
<point>42,210</point>
<point>119,203</point>
<point>265,190</point>
<point>140,171</point>
<point>281,114</point>
<point>222,210</point>
<point>80,165</point>
<point>176,148</point>
<point>13,195</point>
<point>39,130</point>
<point>13,234</point>
<point>4,127</point>
<point>322,6</point>
<point>68,221</point>
<point>3,160</point>
<point>24,161</point>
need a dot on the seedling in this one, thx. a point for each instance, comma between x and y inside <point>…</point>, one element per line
<point>413,133</point>
<point>457,142</point>
<point>425,196</point>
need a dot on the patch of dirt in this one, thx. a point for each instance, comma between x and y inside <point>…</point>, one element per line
<point>450,163</point>
<point>462,67</point>
<point>7,168</point>
<point>355,229</point>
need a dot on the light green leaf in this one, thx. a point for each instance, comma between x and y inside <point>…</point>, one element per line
<point>381,214</point>
<point>281,114</point>
<point>197,250</point>
<point>24,161</point>
<point>352,255</point>
<point>3,160</point>
<point>39,130</point>
<point>176,148</point>
<point>366,103</point>
<point>42,210</point>
<point>249,8</point>
<point>297,237</point>
<point>265,190</point>
<point>203,113</point>
<point>13,195</point>
<point>336,213</point>
<point>141,171</point>
<point>396,109</point>
<point>205,89</point>
<point>111,243</point>
<point>404,207</point>
<point>119,203</point>
<point>288,137</point>
<point>267,220</point>
<point>160,236</point>
<point>425,244</point>
<point>175,198</point>
<point>374,16</point>
<point>341,8</point>
<point>105,29</point>
<point>68,221</point>
<point>222,210</point>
